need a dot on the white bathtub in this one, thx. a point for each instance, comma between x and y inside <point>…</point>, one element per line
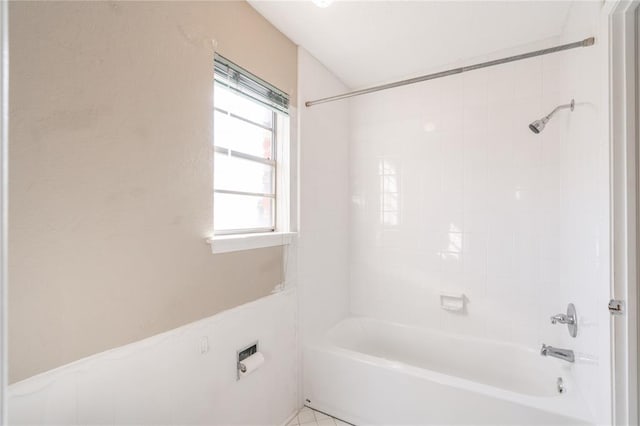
<point>367,371</point>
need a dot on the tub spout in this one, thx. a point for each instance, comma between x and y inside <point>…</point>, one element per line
<point>563,354</point>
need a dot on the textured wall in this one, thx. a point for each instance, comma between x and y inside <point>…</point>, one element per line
<point>111,177</point>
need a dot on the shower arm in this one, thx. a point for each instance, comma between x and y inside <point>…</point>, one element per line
<point>570,105</point>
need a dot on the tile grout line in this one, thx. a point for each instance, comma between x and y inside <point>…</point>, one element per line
<point>329,415</point>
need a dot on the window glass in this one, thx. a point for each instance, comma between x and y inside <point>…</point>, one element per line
<point>235,103</point>
<point>232,212</point>
<point>233,133</point>
<point>237,174</point>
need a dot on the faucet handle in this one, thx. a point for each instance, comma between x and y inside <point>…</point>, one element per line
<point>570,318</point>
<point>562,319</point>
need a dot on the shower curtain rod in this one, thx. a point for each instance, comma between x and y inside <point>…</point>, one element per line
<point>584,43</point>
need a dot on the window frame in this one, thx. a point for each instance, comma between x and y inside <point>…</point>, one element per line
<point>278,103</point>
<point>219,150</point>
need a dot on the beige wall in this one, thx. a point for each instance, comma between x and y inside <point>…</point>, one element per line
<point>110,172</point>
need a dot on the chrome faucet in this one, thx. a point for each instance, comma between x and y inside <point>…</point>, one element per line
<point>570,318</point>
<point>563,354</point>
<point>563,319</point>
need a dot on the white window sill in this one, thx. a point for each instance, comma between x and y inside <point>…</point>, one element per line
<point>238,242</point>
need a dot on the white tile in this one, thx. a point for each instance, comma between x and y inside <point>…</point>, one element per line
<point>60,401</point>
<point>25,409</point>
<point>96,394</point>
<point>326,422</point>
<point>529,212</point>
<point>306,416</point>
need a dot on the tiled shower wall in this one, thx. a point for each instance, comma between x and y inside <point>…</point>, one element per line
<point>452,193</point>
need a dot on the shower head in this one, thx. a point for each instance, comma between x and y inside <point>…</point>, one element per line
<point>538,125</point>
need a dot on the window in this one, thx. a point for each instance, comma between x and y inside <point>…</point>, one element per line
<point>250,128</point>
<point>389,192</point>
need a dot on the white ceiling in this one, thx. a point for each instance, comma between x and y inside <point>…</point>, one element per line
<point>368,42</point>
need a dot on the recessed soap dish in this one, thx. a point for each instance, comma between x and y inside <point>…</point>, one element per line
<point>452,301</point>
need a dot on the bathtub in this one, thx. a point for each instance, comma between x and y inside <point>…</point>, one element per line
<point>367,371</point>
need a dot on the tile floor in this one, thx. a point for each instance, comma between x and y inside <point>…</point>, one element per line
<point>309,417</point>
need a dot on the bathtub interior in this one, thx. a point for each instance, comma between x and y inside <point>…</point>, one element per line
<point>501,365</point>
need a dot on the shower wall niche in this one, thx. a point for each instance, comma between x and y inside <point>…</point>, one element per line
<point>451,193</point>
